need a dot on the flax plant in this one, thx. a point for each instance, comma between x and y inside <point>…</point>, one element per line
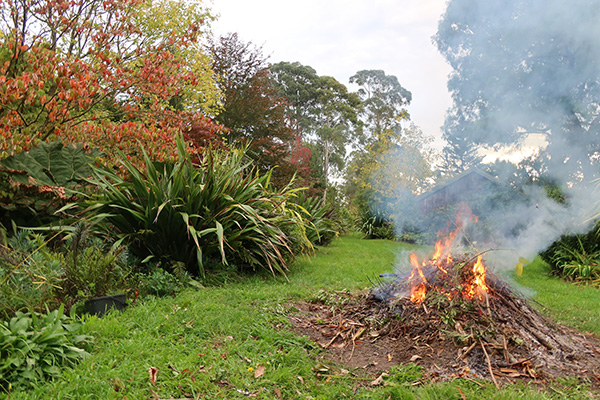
<point>218,211</point>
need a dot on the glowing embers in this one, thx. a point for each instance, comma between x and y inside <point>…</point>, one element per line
<point>464,277</point>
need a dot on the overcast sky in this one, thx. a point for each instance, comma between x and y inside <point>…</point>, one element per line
<point>340,37</point>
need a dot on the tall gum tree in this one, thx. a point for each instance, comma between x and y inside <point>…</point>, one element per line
<point>394,163</point>
<point>299,84</point>
<point>325,112</point>
<point>336,122</point>
<point>383,99</point>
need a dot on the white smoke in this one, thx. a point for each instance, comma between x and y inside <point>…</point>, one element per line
<point>523,67</point>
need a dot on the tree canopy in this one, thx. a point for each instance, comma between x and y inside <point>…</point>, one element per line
<point>383,100</point>
<point>299,84</point>
<point>102,72</point>
<point>253,109</point>
<point>325,112</point>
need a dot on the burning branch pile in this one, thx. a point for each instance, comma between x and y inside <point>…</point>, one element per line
<point>494,331</point>
<point>452,314</point>
<point>463,278</point>
<point>458,298</point>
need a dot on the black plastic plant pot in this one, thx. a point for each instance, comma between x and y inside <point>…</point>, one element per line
<point>101,305</point>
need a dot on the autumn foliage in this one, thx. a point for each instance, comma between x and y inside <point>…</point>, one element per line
<point>255,112</point>
<point>107,73</point>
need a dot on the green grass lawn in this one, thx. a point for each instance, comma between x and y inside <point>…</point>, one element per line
<point>575,305</point>
<point>234,340</point>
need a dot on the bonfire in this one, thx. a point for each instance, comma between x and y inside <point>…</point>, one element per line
<point>455,317</point>
<point>443,274</point>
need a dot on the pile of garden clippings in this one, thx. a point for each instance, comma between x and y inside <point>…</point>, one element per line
<point>501,338</point>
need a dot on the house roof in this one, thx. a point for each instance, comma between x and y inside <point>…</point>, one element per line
<point>456,179</point>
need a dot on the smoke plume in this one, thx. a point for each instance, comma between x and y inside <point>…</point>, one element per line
<point>522,68</point>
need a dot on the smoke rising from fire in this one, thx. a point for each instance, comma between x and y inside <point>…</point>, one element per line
<point>522,67</point>
<point>525,67</point>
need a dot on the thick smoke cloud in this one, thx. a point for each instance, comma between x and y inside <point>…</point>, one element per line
<point>522,67</point>
<point>513,222</point>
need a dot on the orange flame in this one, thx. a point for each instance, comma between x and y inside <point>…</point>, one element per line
<point>439,252</point>
<point>418,290</point>
<point>475,287</point>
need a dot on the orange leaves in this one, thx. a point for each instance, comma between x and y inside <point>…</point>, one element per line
<point>128,137</point>
<point>95,93</point>
<point>260,371</point>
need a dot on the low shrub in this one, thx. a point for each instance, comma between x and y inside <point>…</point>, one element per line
<point>157,281</point>
<point>34,347</point>
<point>31,275</point>
<point>411,235</point>
<point>94,266</point>
<point>575,257</point>
<point>376,227</point>
<point>373,222</point>
<point>343,220</point>
<point>317,218</point>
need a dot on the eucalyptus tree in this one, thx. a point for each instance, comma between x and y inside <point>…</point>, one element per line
<point>336,121</point>
<point>299,85</point>
<point>325,112</point>
<point>383,98</point>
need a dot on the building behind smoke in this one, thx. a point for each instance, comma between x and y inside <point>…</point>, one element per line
<point>462,188</point>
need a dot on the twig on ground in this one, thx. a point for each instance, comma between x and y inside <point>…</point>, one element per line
<point>489,363</point>
<point>331,341</point>
<point>466,353</point>
<point>473,381</point>
<point>504,344</point>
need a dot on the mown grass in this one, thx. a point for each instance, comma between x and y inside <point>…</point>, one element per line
<point>210,343</point>
<point>572,304</point>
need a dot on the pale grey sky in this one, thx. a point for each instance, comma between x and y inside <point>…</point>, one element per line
<point>340,37</point>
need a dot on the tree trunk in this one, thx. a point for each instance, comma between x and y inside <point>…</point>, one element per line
<point>325,170</point>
